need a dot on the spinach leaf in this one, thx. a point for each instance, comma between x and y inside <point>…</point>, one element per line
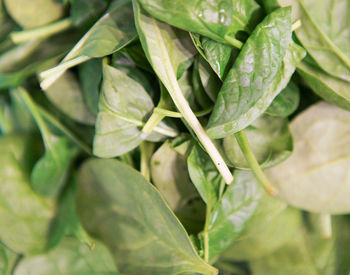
<point>325,33</point>
<point>320,161</point>
<point>232,212</point>
<point>67,96</point>
<point>272,225</point>
<point>8,259</point>
<point>286,102</point>
<point>124,104</point>
<point>70,257</point>
<point>307,253</point>
<point>112,32</point>
<point>218,20</point>
<point>330,88</point>
<point>256,77</point>
<point>24,214</point>
<point>85,12</point>
<point>137,226</point>
<point>50,171</point>
<point>90,76</point>
<point>269,138</point>
<point>34,13</point>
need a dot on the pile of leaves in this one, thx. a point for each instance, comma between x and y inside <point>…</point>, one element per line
<point>175,137</point>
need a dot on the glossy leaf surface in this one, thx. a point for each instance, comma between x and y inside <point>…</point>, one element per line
<point>246,90</point>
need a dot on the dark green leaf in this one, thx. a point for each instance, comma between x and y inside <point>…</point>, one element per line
<point>68,258</point>
<point>218,20</point>
<point>257,76</point>
<point>286,102</point>
<point>231,214</point>
<point>137,226</point>
<point>85,12</point>
<point>269,138</point>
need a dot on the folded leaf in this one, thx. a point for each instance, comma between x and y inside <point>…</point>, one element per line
<point>124,105</point>
<point>330,88</point>
<point>256,77</point>
<point>324,33</point>
<point>138,227</point>
<point>316,176</point>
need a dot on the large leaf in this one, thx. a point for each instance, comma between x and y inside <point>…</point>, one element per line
<point>316,176</point>
<point>218,20</point>
<point>307,253</point>
<point>70,257</point>
<point>330,88</point>
<point>25,216</point>
<point>170,176</point>
<point>34,13</point>
<point>112,32</point>
<point>256,77</point>
<point>272,225</point>
<point>232,212</point>
<point>124,105</point>
<point>67,96</point>
<point>324,33</point>
<point>117,205</point>
<point>269,138</point>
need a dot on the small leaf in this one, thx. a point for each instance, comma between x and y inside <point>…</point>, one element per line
<point>137,226</point>
<point>316,176</point>
<point>269,138</point>
<point>286,102</point>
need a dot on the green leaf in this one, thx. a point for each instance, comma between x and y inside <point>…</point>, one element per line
<point>269,138</point>
<point>286,102</point>
<point>232,212</point>
<point>111,33</point>
<point>216,20</point>
<point>8,260</point>
<point>272,225</point>
<point>316,176</point>
<point>170,176</point>
<point>70,257</point>
<point>67,96</point>
<point>90,77</point>
<point>50,171</point>
<point>34,13</point>
<point>204,175</point>
<point>124,105</point>
<point>85,12</point>
<point>210,81</point>
<point>137,226</point>
<point>330,88</point>
<point>25,216</point>
<point>306,253</point>
<point>255,78</point>
<point>324,33</point>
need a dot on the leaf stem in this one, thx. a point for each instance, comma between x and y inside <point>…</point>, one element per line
<point>42,32</point>
<point>152,122</point>
<point>173,114</point>
<point>253,163</point>
<point>233,41</point>
<point>296,25</point>
<point>206,234</point>
<point>146,149</point>
<point>326,225</point>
